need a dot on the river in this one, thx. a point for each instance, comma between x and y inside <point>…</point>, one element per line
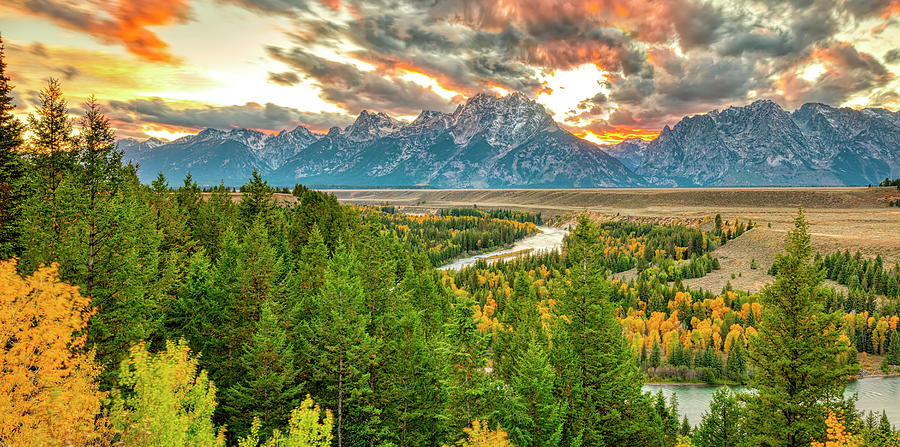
<point>873,393</point>
<point>549,238</point>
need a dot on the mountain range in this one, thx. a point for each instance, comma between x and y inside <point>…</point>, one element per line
<point>511,141</point>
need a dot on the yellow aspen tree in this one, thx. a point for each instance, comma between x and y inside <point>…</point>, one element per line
<point>48,387</point>
<point>837,436</point>
<point>480,435</point>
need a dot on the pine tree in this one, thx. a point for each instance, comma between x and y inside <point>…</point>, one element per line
<point>270,386</point>
<point>655,355</point>
<point>533,415</point>
<point>737,363</point>
<point>53,141</point>
<point>47,216</point>
<point>341,345</point>
<point>301,287</point>
<point>256,199</point>
<point>189,197</point>
<point>411,393</point>
<point>521,325</point>
<point>100,166</point>
<point>892,356</point>
<point>12,168</point>
<point>199,312</point>
<point>796,353</point>
<point>600,382</point>
<point>466,381</point>
<point>126,290</point>
<point>723,425</point>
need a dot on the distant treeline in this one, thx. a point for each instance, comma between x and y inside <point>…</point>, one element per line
<point>519,216</point>
<point>442,238</point>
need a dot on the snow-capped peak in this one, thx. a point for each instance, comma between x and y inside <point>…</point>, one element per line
<point>505,121</point>
<point>369,126</point>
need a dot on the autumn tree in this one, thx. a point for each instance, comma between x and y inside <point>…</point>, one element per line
<point>48,389</point>
<point>163,399</point>
<point>796,354</point>
<point>480,435</point>
<point>12,168</point>
<point>309,426</point>
<point>837,434</point>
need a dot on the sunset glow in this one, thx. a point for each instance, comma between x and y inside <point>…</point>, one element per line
<point>617,135</point>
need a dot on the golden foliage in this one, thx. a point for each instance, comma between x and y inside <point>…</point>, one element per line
<point>480,435</point>
<point>837,434</point>
<point>48,390</point>
<point>308,427</point>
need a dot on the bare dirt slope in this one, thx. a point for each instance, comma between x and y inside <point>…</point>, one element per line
<point>736,258</point>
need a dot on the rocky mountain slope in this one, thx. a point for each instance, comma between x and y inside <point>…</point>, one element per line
<point>487,142</point>
<point>763,145</point>
<point>512,141</point>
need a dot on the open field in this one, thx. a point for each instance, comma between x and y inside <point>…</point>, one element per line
<point>839,218</point>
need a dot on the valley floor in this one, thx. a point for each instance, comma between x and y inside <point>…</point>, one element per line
<point>855,218</point>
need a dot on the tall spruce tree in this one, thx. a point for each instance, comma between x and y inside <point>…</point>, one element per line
<point>533,415</point>
<point>257,197</point>
<point>47,216</point>
<point>12,168</point>
<point>270,388</point>
<point>796,354</point>
<point>466,382</point>
<point>599,380</point>
<point>410,392</point>
<point>341,345</point>
<point>521,324</point>
<point>53,140</point>
<point>100,169</point>
<point>126,281</point>
<point>723,424</point>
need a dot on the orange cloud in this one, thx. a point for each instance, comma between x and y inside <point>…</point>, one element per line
<point>124,22</point>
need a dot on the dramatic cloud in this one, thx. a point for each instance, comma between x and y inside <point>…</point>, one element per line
<point>662,59</point>
<point>123,22</point>
<point>355,90</point>
<point>603,67</point>
<point>845,71</point>
<point>251,115</point>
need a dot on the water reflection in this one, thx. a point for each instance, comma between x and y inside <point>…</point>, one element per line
<point>873,394</point>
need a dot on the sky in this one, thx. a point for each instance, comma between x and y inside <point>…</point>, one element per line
<point>604,69</point>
